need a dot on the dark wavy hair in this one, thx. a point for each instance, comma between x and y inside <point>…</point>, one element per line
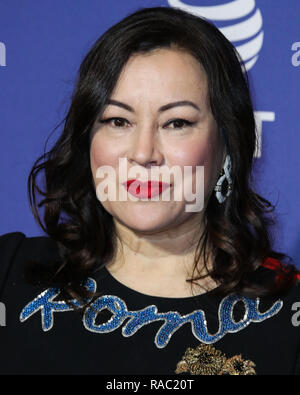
<point>238,230</point>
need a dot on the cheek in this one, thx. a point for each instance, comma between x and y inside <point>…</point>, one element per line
<point>198,153</point>
<point>193,153</point>
<point>104,153</point>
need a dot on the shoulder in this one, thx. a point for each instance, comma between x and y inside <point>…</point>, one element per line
<point>278,266</point>
<point>282,272</point>
<point>285,279</point>
<point>9,243</point>
<point>16,249</point>
<point>17,243</point>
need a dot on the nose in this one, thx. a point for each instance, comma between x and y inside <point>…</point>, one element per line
<point>145,149</point>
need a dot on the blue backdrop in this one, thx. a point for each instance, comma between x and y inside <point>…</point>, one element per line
<point>42,44</point>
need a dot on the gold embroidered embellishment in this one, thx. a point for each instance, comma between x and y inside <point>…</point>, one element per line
<point>206,360</point>
<point>237,366</point>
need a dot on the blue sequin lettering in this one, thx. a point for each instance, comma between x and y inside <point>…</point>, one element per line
<point>115,305</point>
<point>199,328</point>
<point>140,318</point>
<point>45,303</point>
<point>137,319</point>
<point>173,320</point>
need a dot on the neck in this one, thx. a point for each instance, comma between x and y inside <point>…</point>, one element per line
<point>161,254</point>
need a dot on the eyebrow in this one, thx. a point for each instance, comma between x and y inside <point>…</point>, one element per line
<point>161,109</point>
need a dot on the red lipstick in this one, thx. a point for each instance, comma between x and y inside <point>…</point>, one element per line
<point>146,189</point>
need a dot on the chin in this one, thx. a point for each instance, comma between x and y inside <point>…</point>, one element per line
<point>146,229</point>
<point>146,219</point>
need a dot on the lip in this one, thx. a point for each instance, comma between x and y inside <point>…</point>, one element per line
<point>146,189</point>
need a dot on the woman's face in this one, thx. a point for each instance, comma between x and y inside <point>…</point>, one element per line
<point>145,133</point>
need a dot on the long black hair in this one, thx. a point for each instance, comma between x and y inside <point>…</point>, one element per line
<point>238,230</point>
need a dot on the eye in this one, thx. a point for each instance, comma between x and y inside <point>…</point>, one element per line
<point>180,123</point>
<point>117,122</point>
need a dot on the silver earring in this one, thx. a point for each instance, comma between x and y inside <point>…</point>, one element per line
<point>225,174</point>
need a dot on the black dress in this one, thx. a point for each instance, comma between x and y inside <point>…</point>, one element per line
<point>127,332</point>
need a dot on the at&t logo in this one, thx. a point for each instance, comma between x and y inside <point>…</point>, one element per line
<point>2,54</point>
<point>244,30</point>
<point>246,35</point>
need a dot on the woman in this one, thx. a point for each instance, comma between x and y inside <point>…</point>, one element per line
<point>150,286</point>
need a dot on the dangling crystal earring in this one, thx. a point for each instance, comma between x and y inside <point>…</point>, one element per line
<point>225,174</point>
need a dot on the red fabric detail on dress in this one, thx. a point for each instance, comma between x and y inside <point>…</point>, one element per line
<point>275,264</point>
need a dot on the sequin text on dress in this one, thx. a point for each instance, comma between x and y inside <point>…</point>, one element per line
<point>172,320</point>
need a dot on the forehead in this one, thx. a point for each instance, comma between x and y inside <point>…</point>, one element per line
<point>161,71</point>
